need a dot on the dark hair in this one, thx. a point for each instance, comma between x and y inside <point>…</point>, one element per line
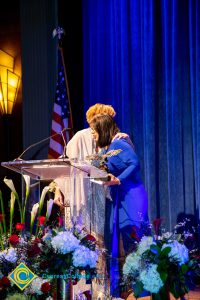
<point>106,127</point>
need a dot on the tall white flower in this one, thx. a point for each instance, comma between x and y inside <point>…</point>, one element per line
<point>10,184</point>
<point>41,202</point>
<point>33,215</point>
<point>49,208</point>
<point>27,181</point>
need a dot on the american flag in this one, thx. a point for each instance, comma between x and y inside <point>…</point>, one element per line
<point>61,113</point>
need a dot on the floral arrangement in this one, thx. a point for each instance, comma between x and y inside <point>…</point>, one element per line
<point>50,251</point>
<point>162,264</point>
<point>99,160</point>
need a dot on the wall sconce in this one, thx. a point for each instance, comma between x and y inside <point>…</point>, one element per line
<point>9,83</point>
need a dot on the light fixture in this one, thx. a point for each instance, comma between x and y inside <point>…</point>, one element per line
<point>9,83</point>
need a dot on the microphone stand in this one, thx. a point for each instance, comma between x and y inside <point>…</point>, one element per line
<point>46,139</point>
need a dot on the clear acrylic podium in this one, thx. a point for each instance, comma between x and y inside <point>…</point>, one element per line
<point>69,171</point>
<point>49,169</point>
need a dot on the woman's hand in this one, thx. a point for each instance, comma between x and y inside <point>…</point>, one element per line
<point>122,135</point>
<point>112,180</point>
<point>58,198</point>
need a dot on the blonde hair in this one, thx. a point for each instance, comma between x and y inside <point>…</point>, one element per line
<point>99,108</point>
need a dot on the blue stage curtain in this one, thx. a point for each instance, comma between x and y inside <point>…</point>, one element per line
<point>143,57</point>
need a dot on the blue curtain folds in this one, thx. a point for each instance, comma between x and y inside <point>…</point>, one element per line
<point>143,57</point>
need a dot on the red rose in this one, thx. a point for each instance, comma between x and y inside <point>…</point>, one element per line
<point>90,238</point>
<point>34,250</point>
<point>41,220</point>
<point>45,287</point>
<point>4,281</point>
<point>134,234</point>
<point>1,218</point>
<point>54,295</point>
<point>44,265</point>
<point>156,225</point>
<point>37,241</point>
<point>60,221</point>
<point>14,239</point>
<point>20,226</point>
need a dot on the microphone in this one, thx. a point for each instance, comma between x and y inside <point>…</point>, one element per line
<point>41,141</point>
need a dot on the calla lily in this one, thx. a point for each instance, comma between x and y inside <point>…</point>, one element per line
<point>33,215</point>
<point>11,186</point>
<point>12,205</point>
<point>41,202</point>
<point>49,208</point>
<point>27,181</point>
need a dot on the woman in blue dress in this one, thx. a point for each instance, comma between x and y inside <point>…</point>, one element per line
<point>129,206</point>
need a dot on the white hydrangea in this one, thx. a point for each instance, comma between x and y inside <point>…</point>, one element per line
<point>151,279</point>
<point>47,236</point>
<point>83,256</point>
<point>145,244</point>
<point>35,286</point>
<point>9,254</point>
<point>22,242</point>
<point>178,251</point>
<point>132,263</point>
<point>64,242</point>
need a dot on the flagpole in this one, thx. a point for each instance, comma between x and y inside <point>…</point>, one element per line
<point>68,93</point>
<point>60,32</point>
<point>64,289</point>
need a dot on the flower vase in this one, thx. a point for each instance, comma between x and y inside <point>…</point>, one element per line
<point>64,290</point>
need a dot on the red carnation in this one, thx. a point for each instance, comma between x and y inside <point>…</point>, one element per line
<point>4,281</point>
<point>20,226</point>
<point>1,218</point>
<point>46,287</point>
<point>14,239</point>
<point>41,220</point>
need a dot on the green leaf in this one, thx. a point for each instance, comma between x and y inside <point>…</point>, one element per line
<point>165,252</point>
<point>184,268</point>
<point>163,276</point>
<point>138,288</point>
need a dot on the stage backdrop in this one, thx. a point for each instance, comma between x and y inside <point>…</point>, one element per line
<point>143,57</point>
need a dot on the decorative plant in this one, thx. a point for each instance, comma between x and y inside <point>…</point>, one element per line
<point>50,251</point>
<point>162,264</point>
